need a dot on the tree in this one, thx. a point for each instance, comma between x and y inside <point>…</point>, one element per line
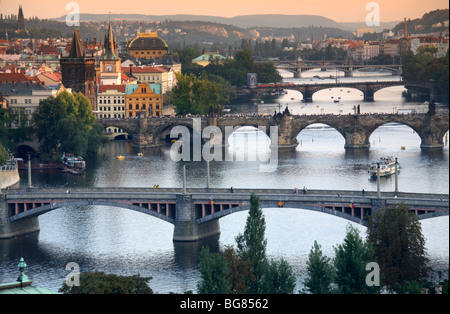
<point>195,96</point>
<point>320,271</point>
<point>214,273</point>
<point>396,235</point>
<point>253,243</point>
<point>239,269</point>
<point>65,123</point>
<point>101,283</point>
<point>3,155</point>
<point>351,258</point>
<point>279,278</point>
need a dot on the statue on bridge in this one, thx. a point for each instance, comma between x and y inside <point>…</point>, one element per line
<point>431,108</point>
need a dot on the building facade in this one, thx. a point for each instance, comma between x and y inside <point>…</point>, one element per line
<point>145,99</point>
<point>24,98</point>
<point>153,75</point>
<point>111,101</point>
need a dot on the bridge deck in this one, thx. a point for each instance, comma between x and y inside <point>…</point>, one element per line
<point>213,203</point>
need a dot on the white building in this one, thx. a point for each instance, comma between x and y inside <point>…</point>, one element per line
<point>24,98</point>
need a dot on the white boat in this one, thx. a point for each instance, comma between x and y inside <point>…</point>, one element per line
<point>72,164</point>
<point>387,167</point>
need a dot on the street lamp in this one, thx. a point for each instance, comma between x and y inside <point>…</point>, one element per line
<point>378,180</point>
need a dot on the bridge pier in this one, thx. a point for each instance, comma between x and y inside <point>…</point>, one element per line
<point>186,229</point>
<point>356,136</point>
<point>10,229</point>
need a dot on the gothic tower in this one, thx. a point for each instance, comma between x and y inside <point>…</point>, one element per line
<point>20,19</point>
<point>110,63</point>
<point>78,70</point>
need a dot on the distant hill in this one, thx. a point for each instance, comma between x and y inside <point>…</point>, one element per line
<point>243,21</point>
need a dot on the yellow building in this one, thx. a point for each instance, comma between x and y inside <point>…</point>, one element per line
<point>147,46</point>
<point>143,98</point>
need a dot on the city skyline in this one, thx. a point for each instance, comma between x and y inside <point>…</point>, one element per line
<point>342,11</point>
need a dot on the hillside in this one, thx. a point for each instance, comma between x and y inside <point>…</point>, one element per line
<point>243,21</point>
<point>428,23</point>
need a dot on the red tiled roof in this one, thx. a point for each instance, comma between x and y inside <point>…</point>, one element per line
<point>104,88</point>
<point>16,78</point>
<point>48,50</point>
<point>136,69</point>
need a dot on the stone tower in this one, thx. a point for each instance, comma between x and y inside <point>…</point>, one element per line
<point>78,70</point>
<point>110,63</point>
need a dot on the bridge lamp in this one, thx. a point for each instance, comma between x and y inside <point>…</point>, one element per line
<point>378,180</point>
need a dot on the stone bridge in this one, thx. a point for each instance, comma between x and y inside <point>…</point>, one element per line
<point>195,213</point>
<point>282,129</point>
<point>298,67</point>
<point>428,90</point>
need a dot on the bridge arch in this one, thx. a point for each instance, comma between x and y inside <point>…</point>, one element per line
<point>316,125</point>
<point>266,205</point>
<point>47,207</point>
<point>396,128</point>
<point>247,139</point>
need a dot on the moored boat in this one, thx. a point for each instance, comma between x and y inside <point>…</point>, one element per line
<point>73,164</point>
<point>387,167</point>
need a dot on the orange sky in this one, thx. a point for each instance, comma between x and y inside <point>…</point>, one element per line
<point>338,10</point>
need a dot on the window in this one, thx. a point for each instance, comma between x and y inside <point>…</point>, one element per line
<point>130,106</point>
<point>137,106</point>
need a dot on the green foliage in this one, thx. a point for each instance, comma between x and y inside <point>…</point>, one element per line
<point>351,258</point>
<point>246,270</point>
<point>101,283</point>
<point>423,66</point>
<point>195,96</point>
<point>320,271</point>
<point>65,123</point>
<point>253,243</point>
<point>279,278</point>
<point>239,271</point>
<point>3,156</point>
<point>214,273</point>
<point>399,245</point>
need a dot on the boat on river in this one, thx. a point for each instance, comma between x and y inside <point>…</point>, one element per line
<point>387,167</point>
<point>73,164</point>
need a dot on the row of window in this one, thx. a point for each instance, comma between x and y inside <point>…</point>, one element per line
<point>148,52</point>
<point>101,108</point>
<point>108,101</point>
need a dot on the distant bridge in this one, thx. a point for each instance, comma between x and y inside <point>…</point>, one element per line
<point>298,67</point>
<point>195,213</point>
<point>428,90</point>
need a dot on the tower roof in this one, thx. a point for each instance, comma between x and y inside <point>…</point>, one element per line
<point>110,45</point>
<point>77,48</point>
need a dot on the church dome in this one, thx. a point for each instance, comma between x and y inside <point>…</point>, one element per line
<point>148,41</point>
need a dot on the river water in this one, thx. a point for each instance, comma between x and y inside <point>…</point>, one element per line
<point>124,242</point>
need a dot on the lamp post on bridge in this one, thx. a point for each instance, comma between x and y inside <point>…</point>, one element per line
<point>184,176</point>
<point>29,171</point>
<point>396,175</point>
<point>208,181</point>
<point>378,180</point>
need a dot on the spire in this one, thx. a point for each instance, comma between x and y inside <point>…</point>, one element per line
<point>77,48</point>
<point>110,45</point>
<point>20,19</point>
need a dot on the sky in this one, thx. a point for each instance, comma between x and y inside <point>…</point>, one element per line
<point>337,10</point>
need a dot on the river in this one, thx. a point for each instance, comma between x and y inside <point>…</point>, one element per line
<point>124,242</point>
